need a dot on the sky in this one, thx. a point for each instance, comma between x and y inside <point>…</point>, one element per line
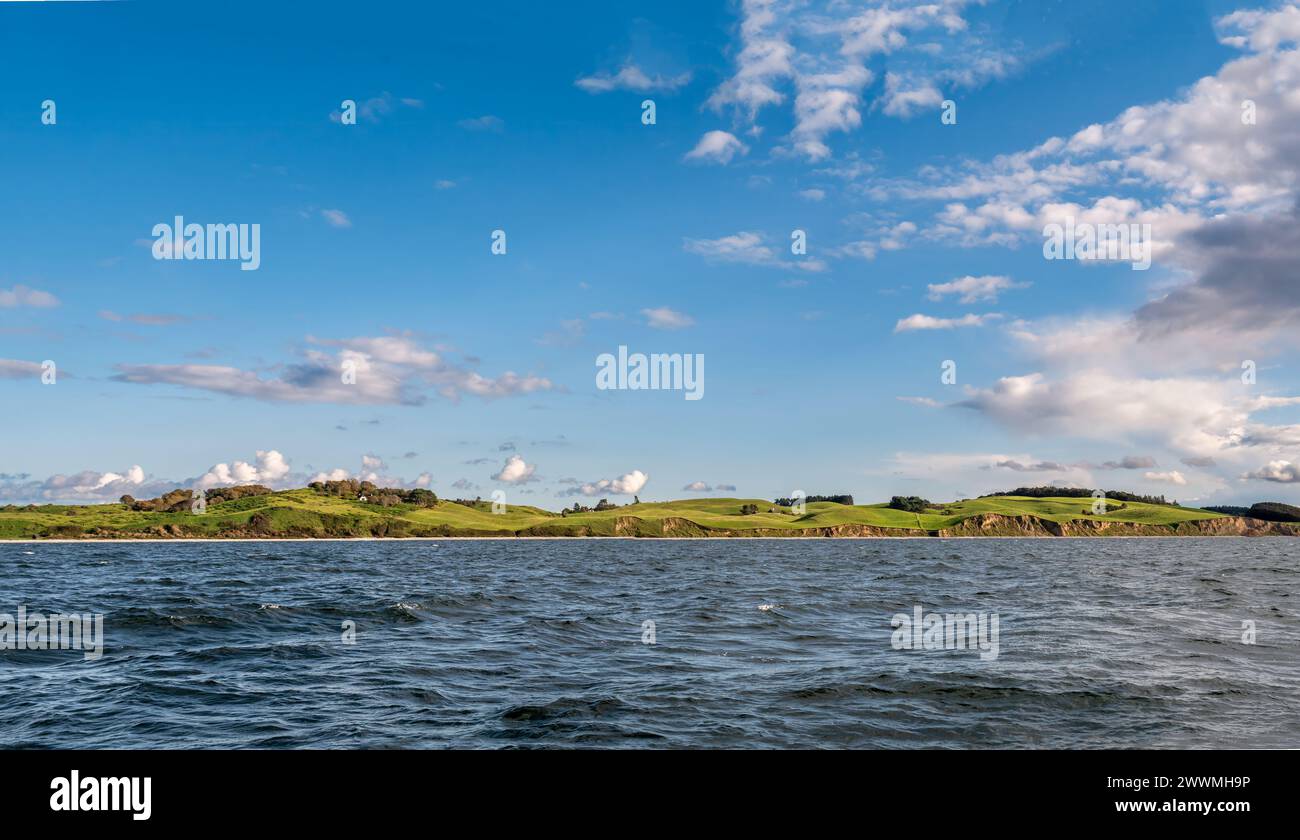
<point>921,343</point>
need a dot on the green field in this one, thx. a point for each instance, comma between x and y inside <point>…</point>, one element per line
<point>307,513</point>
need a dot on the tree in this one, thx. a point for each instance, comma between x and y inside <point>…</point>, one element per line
<point>911,504</point>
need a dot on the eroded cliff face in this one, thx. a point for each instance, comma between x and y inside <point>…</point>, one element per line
<point>686,528</point>
<point>981,525</point>
<point>998,525</point>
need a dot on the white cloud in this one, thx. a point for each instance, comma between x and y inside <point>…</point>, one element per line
<point>25,296</point>
<point>18,369</point>
<point>336,218</point>
<point>1190,415</point>
<point>974,289</point>
<point>371,466</point>
<point>904,98</point>
<point>821,49</point>
<point>268,468</point>
<point>1281,472</point>
<point>1171,477</point>
<point>763,62</point>
<point>391,369</point>
<point>826,103</point>
<point>749,248</point>
<point>631,77</point>
<point>664,318</point>
<point>87,486</point>
<point>927,402</point>
<point>698,487</point>
<point>717,147</point>
<point>927,322</point>
<point>627,484</point>
<point>516,471</point>
<point>743,247</point>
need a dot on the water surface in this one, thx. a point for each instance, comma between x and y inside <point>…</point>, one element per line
<point>758,643</point>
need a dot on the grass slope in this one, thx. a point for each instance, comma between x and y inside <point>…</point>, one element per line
<point>305,513</point>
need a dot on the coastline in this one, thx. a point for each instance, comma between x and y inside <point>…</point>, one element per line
<point>639,539</point>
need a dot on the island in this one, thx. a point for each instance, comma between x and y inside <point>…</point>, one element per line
<point>352,509</point>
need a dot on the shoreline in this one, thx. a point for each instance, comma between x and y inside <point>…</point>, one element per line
<point>100,540</point>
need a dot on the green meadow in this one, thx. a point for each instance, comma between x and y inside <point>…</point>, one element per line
<point>308,513</point>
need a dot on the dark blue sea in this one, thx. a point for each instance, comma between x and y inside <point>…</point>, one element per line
<point>756,644</point>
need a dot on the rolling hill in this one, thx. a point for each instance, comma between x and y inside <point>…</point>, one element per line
<point>307,513</point>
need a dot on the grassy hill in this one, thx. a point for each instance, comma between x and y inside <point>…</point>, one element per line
<point>308,513</point>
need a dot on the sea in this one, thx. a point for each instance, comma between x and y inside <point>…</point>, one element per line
<point>656,644</point>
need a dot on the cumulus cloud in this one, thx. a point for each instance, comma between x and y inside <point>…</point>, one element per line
<point>1192,158</point>
<point>1243,288</point>
<point>1281,472</point>
<point>1191,415</point>
<point>372,470</point>
<point>1221,198</point>
<point>268,468</point>
<point>698,487</point>
<point>627,484</point>
<point>87,486</point>
<point>820,51</point>
<point>717,147</point>
<point>516,471</point>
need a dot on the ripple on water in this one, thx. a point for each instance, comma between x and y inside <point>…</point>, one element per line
<point>761,643</point>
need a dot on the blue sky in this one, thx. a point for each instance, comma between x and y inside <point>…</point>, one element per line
<point>478,369</point>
